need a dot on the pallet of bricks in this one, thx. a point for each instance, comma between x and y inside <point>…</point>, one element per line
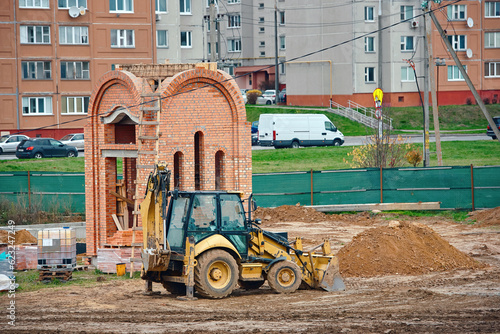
<point>56,253</point>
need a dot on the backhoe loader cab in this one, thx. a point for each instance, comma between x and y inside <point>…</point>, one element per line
<point>206,241</point>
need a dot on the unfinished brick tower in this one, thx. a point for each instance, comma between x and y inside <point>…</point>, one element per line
<point>190,116</point>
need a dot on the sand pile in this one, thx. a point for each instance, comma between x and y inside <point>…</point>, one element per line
<point>400,248</point>
<point>21,237</point>
<point>488,217</point>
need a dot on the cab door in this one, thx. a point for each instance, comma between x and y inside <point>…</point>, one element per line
<point>232,220</point>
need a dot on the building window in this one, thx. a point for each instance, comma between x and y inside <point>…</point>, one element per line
<point>219,170</point>
<point>37,105</point>
<point>71,3</point>
<point>454,73</point>
<point>262,43</point>
<point>407,74</point>
<point>492,39</point>
<point>492,9</point>
<point>262,53</point>
<point>262,29</point>
<point>161,6</point>
<point>261,20</point>
<point>456,13</point>
<point>458,42</point>
<point>282,18</point>
<point>407,43</point>
<point>35,34</point>
<point>177,169</point>
<point>73,35</point>
<point>234,45</point>
<point>162,38</point>
<point>210,48</point>
<point>75,70</point>
<point>369,14</point>
<point>282,68</point>
<point>186,40</point>
<point>34,4</point>
<point>74,105</point>
<point>406,12</point>
<point>121,6</point>
<point>233,1</point>
<point>492,70</point>
<point>369,74</point>
<point>37,70</point>
<point>261,5</point>
<point>122,38</point>
<point>369,44</point>
<point>216,3</point>
<point>234,21</point>
<point>282,43</point>
<point>185,6</point>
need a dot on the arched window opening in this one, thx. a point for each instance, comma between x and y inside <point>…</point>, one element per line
<point>198,154</point>
<point>177,169</point>
<point>219,170</point>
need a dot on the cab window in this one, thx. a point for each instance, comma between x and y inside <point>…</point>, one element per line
<point>175,236</point>
<point>232,214</point>
<point>330,127</point>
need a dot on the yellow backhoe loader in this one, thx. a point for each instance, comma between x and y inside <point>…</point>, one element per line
<point>205,241</point>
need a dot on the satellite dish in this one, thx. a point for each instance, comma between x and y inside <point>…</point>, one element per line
<point>74,11</point>
<point>469,53</point>
<point>470,22</point>
<point>82,10</point>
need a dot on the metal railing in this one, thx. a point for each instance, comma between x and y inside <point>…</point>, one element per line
<point>360,114</point>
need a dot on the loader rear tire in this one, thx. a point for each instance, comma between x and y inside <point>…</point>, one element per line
<point>178,289</point>
<point>250,285</point>
<point>216,274</point>
<point>284,277</point>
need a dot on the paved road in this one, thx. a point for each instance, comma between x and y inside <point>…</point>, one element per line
<point>349,141</point>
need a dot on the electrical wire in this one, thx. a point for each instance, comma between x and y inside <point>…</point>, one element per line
<point>241,75</point>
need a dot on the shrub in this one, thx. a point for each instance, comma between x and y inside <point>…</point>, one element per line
<point>414,157</point>
<point>468,101</point>
<point>486,100</point>
<point>252,96</point>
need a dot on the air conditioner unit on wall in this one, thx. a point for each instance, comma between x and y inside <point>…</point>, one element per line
<point>158,17</point>
<point>413,24</point>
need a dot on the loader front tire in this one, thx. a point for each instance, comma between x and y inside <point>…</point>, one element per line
<point>177,289</point>
<point>284,277</point>
<point>216,274</point>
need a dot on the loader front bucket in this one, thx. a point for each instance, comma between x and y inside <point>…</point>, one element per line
<point>332,281</point>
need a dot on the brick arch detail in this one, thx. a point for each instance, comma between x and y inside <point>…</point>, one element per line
<point>218,79</point>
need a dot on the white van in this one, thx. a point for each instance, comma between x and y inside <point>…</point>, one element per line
<point>294,130</point>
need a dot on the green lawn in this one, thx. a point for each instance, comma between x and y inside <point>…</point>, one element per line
<point>460,153</point>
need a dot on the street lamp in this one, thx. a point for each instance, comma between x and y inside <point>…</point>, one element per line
<point>439,62</point>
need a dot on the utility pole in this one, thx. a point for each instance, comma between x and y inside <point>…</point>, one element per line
<point>480,103</point>
<point>276,68</point>
<point>426,99</point>
<point>379,45</point>
<point>430,62</point>
<point>213,32</point>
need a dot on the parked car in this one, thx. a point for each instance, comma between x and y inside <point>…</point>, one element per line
<point>74,139</point>
<point>268,97</point>
<point>282,96</point>
<point>44,148</point>
<point>8,143</point>
<point>255,139</point>
<point>489,130</point>
<point>255,126</point>
<point>244,95</point>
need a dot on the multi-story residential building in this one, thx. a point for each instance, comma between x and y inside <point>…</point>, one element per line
<point>473,29</point>
<point>54,51</point>
<point>354,47</point>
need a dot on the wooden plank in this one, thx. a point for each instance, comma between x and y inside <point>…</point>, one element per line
<point>117,222</point>
<point>378,206</point>
<point>136,244</point>
<point>123,198</point>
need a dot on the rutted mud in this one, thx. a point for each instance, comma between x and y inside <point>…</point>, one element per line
<point>460,299</point>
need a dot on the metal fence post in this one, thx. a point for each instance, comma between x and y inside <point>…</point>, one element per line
<point>472,185</point>
<point>381,187</point>
<point>312,187</point>
<point>29,190</point>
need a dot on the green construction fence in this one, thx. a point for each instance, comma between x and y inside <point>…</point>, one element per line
<point>457,187</point>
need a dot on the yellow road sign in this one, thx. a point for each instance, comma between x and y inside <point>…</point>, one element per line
<point>378,95</point>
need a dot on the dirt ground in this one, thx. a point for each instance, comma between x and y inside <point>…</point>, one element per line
<point>458,293</point>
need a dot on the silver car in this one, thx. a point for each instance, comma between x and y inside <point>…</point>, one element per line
<point>75,140</point>
<point>8,143</point>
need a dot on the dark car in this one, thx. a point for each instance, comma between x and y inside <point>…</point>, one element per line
<point>489,130</point>
<point>44,148</point>
<point>255,126</point>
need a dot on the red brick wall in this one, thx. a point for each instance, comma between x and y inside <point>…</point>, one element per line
<point>193,101</point>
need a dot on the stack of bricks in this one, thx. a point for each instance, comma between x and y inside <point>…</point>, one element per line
<point>26,255</point>
<point>124,238</point>
<point>108,258</point>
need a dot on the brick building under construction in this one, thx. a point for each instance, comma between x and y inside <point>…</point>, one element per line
<point>190,116</point>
